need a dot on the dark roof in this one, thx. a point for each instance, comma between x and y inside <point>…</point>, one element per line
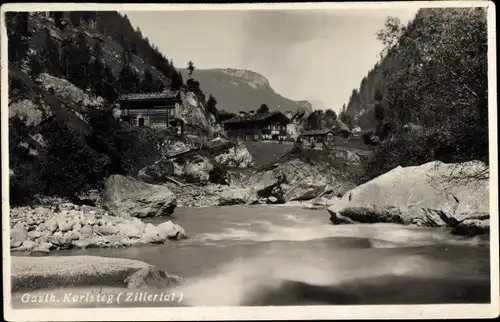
<point>149,96</point>
<point>253,117</point>
<point>316,132</point>
<point>224,112</point>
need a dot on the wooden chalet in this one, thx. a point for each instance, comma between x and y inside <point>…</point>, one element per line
<point>271,125</point>
<point>326,137</point>
<point>156,110</point>
<point>225,115</point>
<point>311,138</point>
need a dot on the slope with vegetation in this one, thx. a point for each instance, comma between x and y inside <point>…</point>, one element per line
<point>66,69</point>
<point>426,99</point>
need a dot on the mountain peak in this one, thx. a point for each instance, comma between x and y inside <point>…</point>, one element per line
<point>242,90</point>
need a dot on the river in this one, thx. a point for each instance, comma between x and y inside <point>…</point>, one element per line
<point>283,255</point>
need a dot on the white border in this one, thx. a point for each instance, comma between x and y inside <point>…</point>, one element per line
<point>245,313</point>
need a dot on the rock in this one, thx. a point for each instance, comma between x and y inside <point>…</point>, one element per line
<point>72,235</point>
<point>129,230</point>
<point>272,199</point>
<point>154,235</point>
<point>305,191</point>
<point>472,227</point>
<point>139,224</point>
<point>69,92</point>
<point>59,241</point>
<point>426,195</point>
<point>197,171</point>
<point>82,243</point>
<point>151,277</point>
<point>266,184</point>
<point>105,229</point>
<point>26,110</point>
<point>126,195</point>
<point>85,231</point>
<point>65,224</point>
<point>172,230</point>
<point>51,225</point>
<point>236,196</point>
<point>30,273</point>
<point>88,220</point>
<point>27,245</point>
<point>34,234</point>
<point>237,156</point>
<point>44,247</point>
<point>371,215</point>
<point>18,234</point>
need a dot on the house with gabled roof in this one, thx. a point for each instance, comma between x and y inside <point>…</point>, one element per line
<point>157,110</point>
<point>257,126</point>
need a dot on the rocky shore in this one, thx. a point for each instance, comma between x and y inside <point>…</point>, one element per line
<point>43,229</point>
<point>421,196</point>
<point>434,194</point>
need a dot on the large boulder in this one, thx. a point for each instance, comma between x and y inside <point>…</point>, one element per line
<point>236,196</point>
<point>69,92</point>
<point>154,235</point>
<point>18,234</point>
<point>305,191</point>
<point>434,194</point>
<point>267,184</point>
<point>237,156</point>
<point>31,113</point>
<point>127,196</point>
<point>172,230</point>
<point>197,170</point>
<point>33,273</point>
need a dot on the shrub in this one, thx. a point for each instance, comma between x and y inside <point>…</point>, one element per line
<point>70,166</point>
<point>412,149</point>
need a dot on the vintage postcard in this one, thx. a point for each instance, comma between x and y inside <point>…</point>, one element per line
<point>249,161</point>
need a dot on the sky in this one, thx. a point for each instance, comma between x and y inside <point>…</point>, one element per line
<point>319,56</point>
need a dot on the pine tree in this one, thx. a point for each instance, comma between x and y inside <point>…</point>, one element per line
<point>83,59</point>
<point>133,48</point>
<point>128,81</point>
<point>148,84</point>
<point>50,55</point>
<point>58,19</point>
<point>17,34</point>
<point>96,75</point>
<point>177,81</point>
<point>109,81</point>
<point>190,68</point>
<point>36,67</point>
<point>211,105</point>
<point>75,18</point>
<point>263,109</point>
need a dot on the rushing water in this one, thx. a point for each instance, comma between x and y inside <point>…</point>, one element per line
<point>279,255</point>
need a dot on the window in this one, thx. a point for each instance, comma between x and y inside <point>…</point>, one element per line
<point>140,121</point>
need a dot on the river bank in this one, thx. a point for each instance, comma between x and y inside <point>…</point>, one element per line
<point>261,254</point>
<point>427,197</point>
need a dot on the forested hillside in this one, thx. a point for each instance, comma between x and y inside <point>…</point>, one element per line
<point>66,69</point>
<point>431,69</point>
<point>432,76</point>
